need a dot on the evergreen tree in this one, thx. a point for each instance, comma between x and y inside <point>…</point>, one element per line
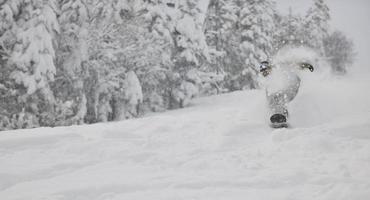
<point>180,23</point>
<point>220,29</point>
<point>289,31</point>
<point>223,38</point>
<point>316,25</point>
<point>72,53</point>
<point>339,51</point>
<point>118,48</point>
<point>257,26</point>
<point>133,95</point>
<point>28,32</point>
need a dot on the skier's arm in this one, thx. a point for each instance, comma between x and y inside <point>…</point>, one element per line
<point>304,65</point>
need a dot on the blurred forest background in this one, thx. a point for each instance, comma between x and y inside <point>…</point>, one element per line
<point>66,62</point>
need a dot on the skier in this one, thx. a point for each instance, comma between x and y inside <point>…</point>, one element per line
<point>281,84</point>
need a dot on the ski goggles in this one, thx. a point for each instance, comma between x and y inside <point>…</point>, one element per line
<point>264,67</point>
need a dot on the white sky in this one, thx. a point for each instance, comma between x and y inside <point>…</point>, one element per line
<point>349,16</point>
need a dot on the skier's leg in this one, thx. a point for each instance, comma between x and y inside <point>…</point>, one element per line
<point>277,105</point>
<point>278,102</point>
<point>292,90</point>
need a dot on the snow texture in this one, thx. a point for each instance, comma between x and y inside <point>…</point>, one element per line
<point>219,148</point>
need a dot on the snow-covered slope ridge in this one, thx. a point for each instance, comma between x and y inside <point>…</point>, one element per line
<point>219,148</point>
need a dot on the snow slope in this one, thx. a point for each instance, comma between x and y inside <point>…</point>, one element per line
<point>219,148</point>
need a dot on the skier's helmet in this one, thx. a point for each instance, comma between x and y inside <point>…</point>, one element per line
<point>265,68</point>
<point>264,65</point>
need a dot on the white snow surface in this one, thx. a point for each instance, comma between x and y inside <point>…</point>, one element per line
<point>219,148</point>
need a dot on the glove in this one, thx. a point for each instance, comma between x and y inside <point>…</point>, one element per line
<point>307,66</point>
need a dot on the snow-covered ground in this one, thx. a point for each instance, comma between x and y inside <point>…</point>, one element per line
<point>219,148</point>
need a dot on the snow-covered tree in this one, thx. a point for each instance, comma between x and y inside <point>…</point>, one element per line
<point>317,25</point>
<point>190,39</point>
<point>72,53</point>
<point>257,25</point>
<point>225,31</point>
<point>27,34</point>
<point>33,54</point>
<point>289,31</point>
<point>221,33</point>
<point>339,51</point>
<point>256,22</point>
<point>180,23</point>
<point>114,10</point>
<point>100,40</point>
<point>133,96</point>
<point>118,47</point>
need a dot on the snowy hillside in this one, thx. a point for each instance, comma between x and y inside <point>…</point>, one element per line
<point>219,148</point>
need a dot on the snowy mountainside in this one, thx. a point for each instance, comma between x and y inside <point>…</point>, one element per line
<point>219,148</point>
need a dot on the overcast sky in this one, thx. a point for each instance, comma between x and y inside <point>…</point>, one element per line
<point>349,16</point>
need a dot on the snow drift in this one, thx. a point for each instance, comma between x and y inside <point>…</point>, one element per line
<point>219,148</point>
